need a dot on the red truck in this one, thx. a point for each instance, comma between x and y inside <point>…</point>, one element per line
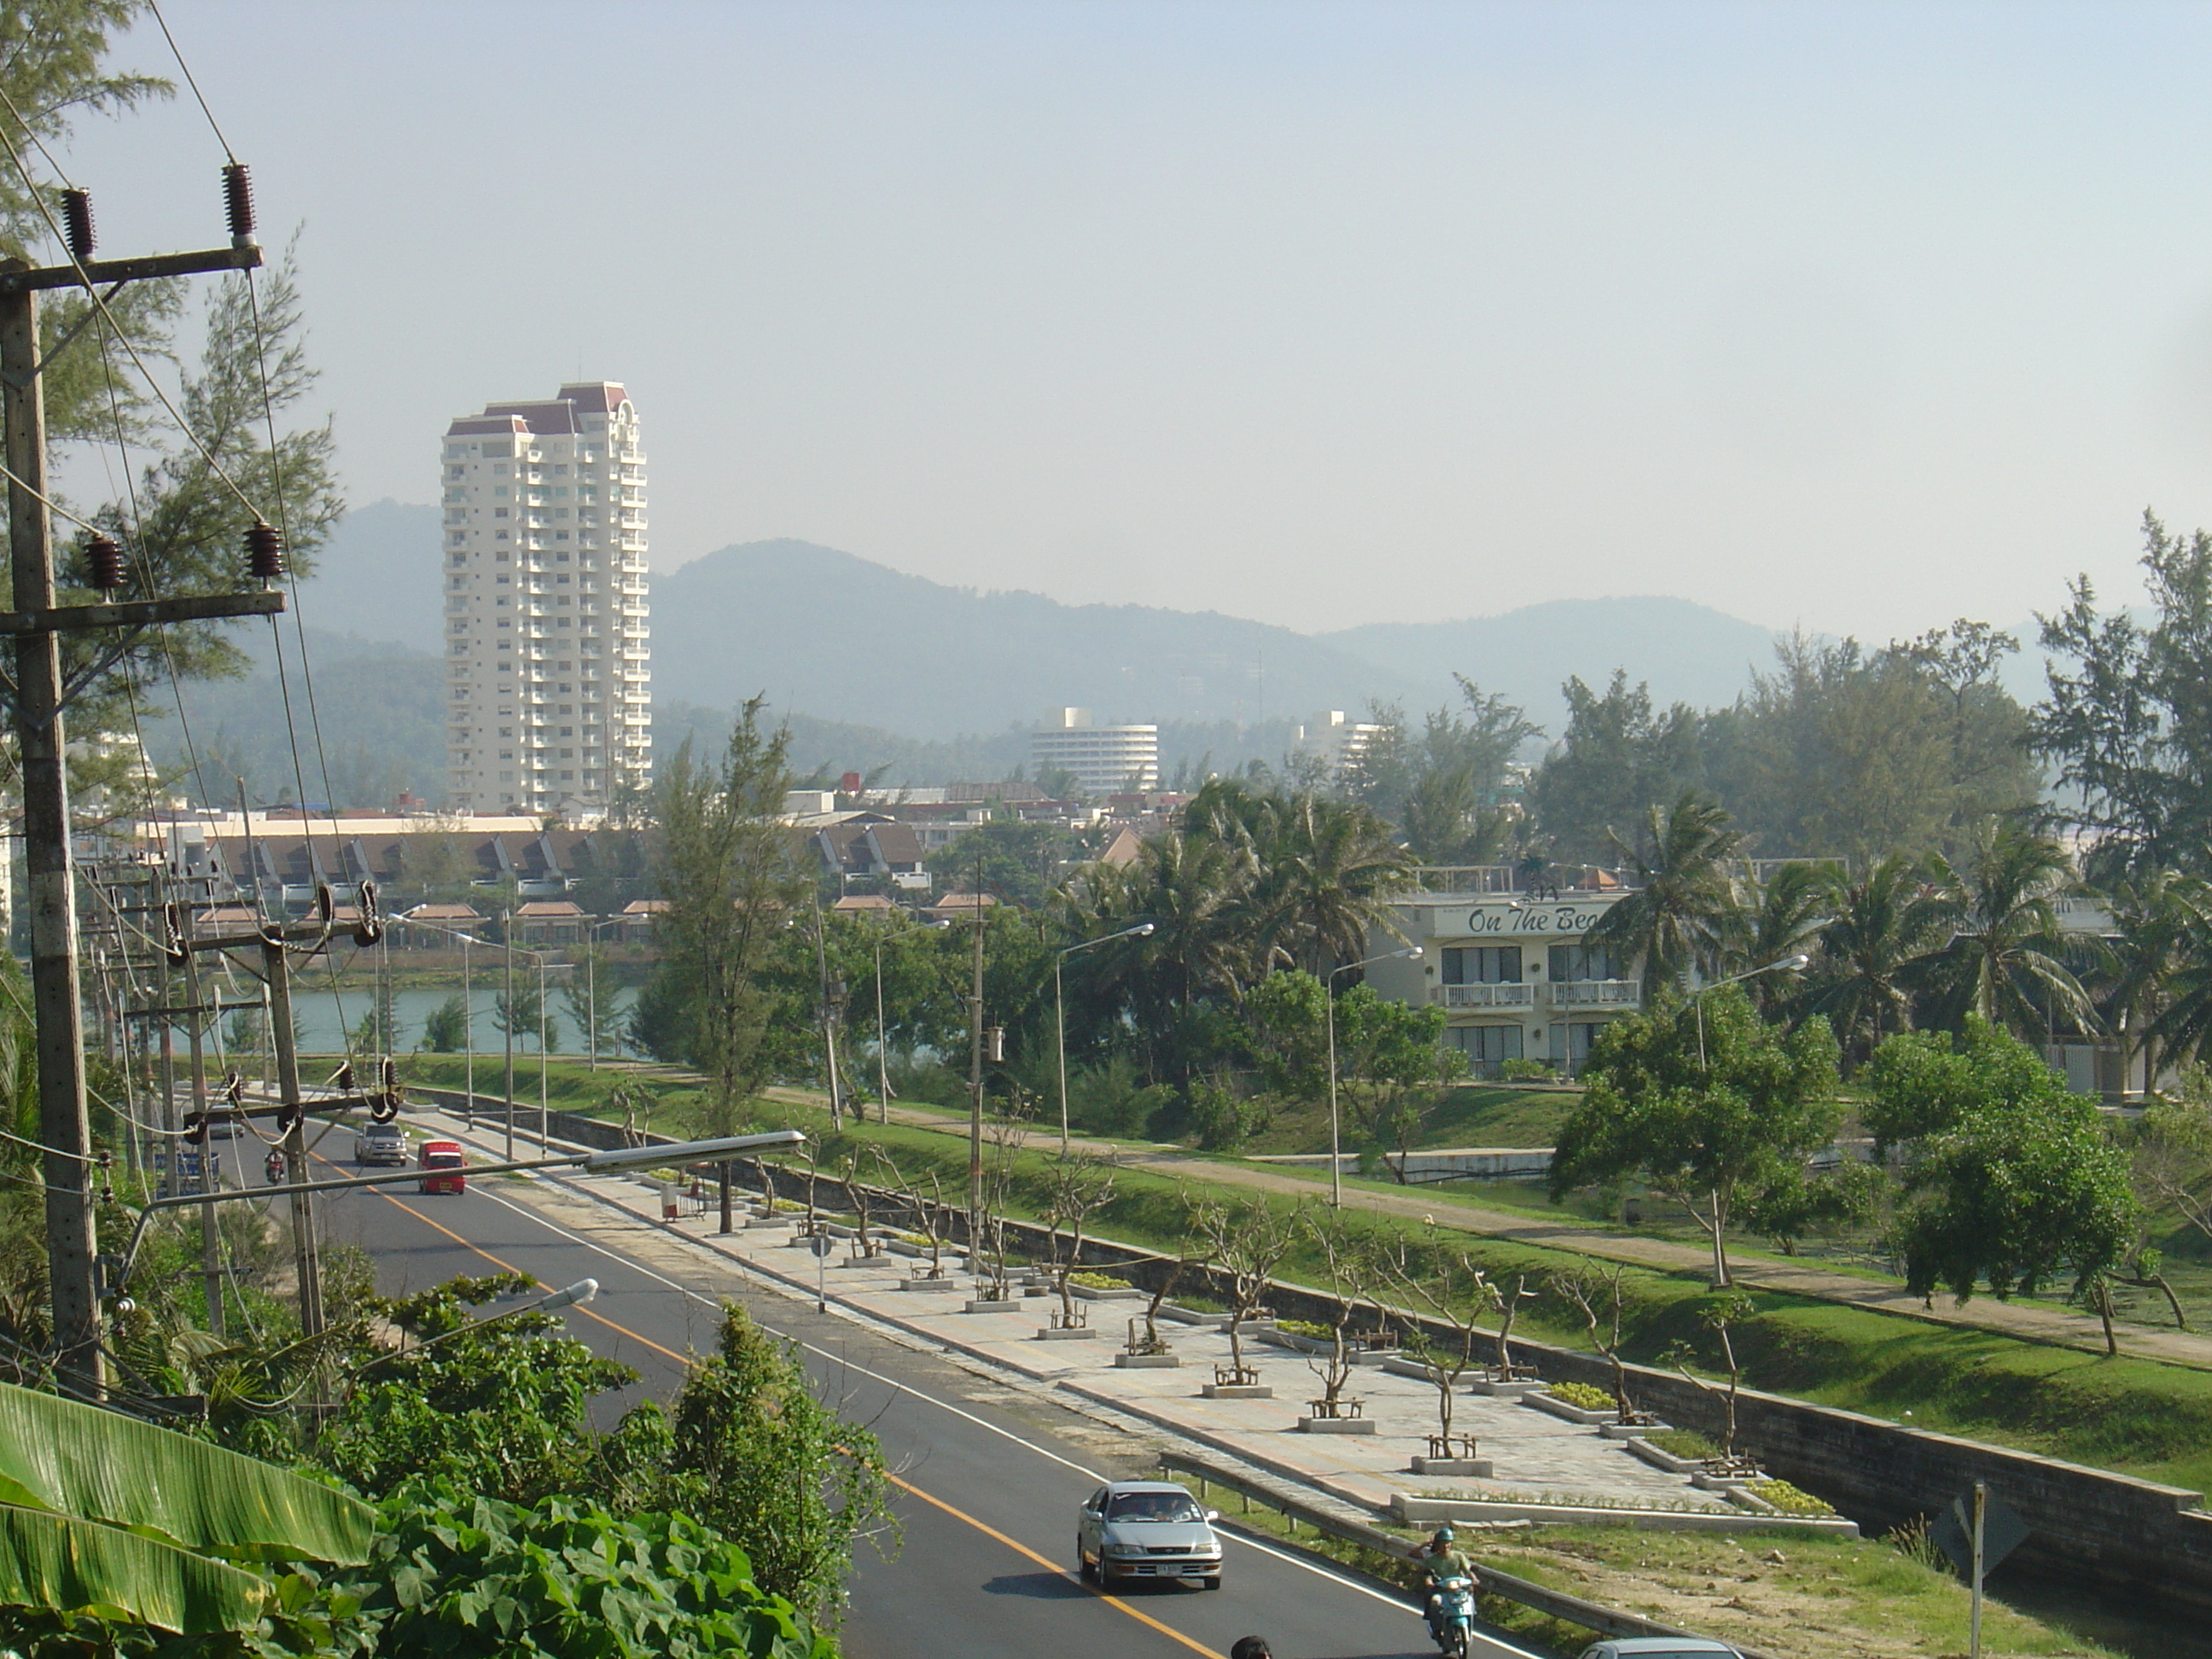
<point>441,1167</point>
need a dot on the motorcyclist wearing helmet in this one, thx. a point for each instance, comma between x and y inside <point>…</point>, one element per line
<point>1438,1562</point>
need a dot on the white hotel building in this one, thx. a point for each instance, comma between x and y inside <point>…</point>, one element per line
<point>1511,970</point>
<point>547,665</point>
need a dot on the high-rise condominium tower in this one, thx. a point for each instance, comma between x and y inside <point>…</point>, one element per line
<point>548,667</point>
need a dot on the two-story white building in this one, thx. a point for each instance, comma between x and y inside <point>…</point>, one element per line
<point>1513,972</point>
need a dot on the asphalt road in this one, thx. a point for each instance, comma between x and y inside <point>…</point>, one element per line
<point>989,1478</point>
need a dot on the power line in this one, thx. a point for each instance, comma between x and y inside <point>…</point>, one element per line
<point>187,70</point>
<point>92,293</point>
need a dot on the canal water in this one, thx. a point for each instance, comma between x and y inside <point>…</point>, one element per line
<point>325,1015</point>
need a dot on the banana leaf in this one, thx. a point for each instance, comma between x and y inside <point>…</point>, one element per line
<point>79,1462</point>
<point>65,1566</point>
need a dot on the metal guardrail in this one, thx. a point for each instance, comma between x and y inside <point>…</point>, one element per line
<point>1537,1598</point>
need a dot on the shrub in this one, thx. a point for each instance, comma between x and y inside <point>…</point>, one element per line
<point>1525,1071</point>
<point>1091,1282</point>
<point>756,1454</point>
<point>1582,1396</point>
<point>1790,1499</point>
<point>454,1572</point>
<point>1220,1121</point>
<point>1305,1328</point>
<point>1680,1443</point>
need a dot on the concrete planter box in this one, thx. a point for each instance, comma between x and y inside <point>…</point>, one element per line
<point>1304,1344</point>
<point>1090,1294</point>
<point>1147,1362</point>
<point>1237,1391</point>
<point>1631,1431</point>
<point>1730,1486</point>
<point>1182,1316</point>
<point>1661,1459</point>
<point>929,1284</point>
<point>1589,1419</point>
<point>1066,1334</point>
<point>1399,1366</point>
<point>986,1305</point>
<point>1212,1321</point>
<point>1512,1390</point>
<point>1468,1468</point>
<point>881,1263</point>
<point>1339,1426</point>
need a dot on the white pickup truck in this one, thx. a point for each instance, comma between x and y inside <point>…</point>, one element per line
<point>380,1143</point>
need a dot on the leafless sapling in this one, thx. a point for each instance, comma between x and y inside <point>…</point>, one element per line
<point>1443,1281</point>
<point>1080,1187</point>
<point>1247,1241</point>
<point>1348,1270</point>
<point>1720,1314</point>
<point>1596,1295</point>
<point>1507,1306</point>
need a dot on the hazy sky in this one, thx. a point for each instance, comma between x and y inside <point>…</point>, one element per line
<point>1855,315</point>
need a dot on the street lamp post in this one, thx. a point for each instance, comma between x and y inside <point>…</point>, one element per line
<point>1787,965</point>
<point>1142,930</point>
<point>1329,1004</point>
<point>883,1045</point>
<point>584,1289</point>
<point>544,1099</point>
<point>591,984</point>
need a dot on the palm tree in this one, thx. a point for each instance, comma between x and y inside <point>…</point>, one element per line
<point>1676,919</point>
<point>1325,882</point>
<point>2149,965</point>
<point>1881,925</point>
<point>1999,905</point>
<point>1795,905</point>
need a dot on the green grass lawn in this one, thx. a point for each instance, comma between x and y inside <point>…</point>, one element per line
<point>1477,1115</point>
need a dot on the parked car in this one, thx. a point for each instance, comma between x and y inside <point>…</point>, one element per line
<point>1146,1529</point>
<point>1661,1647</point>
<point>441,1164</point>
<point>380,1143</point>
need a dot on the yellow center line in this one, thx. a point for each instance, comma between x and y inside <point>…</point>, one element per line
<point>1053,1567</point>
<point>1019,1548</point>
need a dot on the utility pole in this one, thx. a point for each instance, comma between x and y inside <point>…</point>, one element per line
<point>278,967</point>
<point>210,1243</point>
<point>975,1072</point>
<point>275,941</point>
<point>507,1020</point>
<point>827,1002</point>
<point>37,696</point>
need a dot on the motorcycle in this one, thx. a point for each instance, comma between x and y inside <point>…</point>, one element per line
<point>1452,1621</point>
<point>273,1167</point>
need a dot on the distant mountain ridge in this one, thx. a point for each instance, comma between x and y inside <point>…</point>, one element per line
<point>829,634</point>
<point>1689,653</point>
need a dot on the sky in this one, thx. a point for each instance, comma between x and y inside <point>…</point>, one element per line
<point>1856,316</point>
